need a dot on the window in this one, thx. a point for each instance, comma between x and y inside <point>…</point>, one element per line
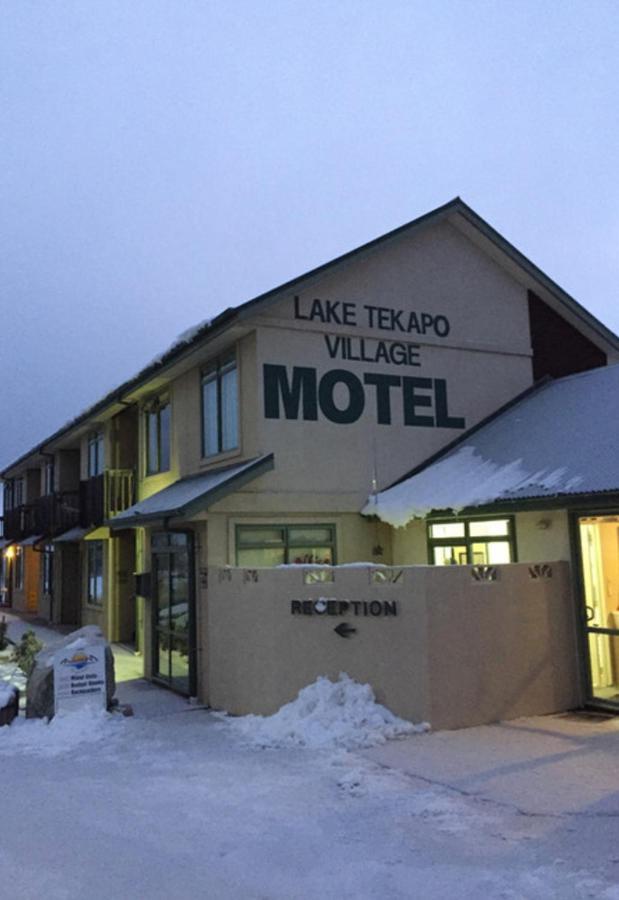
<point>48,478</point>
<point>95,454</point>
<point>275,545</point>
<point>471,542</point>
<point>18,571</point>
<point>95,572</point>
<point>220,426</point>
<point>158,436</point>
<point>18,493</point>
<point>48,569</point>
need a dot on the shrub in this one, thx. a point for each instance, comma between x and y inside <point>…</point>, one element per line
<point>26,651</point>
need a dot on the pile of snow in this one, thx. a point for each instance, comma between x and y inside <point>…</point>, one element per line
<point>63,733</point>
<point>462,479</point>
<point>7,693</point>
<point>327,714</point>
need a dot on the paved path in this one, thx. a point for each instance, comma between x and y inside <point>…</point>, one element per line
<point>147,700</point>
<point>561,765</point>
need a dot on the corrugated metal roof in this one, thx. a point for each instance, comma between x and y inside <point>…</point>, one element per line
<point>560,440</point>
<point>187,496</point>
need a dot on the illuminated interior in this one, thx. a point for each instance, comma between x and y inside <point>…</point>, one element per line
<point>599,544</point>
<point>471,542</point>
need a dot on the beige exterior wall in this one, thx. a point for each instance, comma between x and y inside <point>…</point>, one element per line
<point>459,652</point>
<point>323,466</point>
<point>543,535</point>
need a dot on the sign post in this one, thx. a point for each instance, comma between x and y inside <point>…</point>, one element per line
<point>80,677</point>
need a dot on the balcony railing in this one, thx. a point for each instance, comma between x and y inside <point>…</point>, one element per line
<point>104,496</point>
<point>47,516</point>
<point>19,523</point>
<point>57,512</point>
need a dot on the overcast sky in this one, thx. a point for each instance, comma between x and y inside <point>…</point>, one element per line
<point>160,161</point>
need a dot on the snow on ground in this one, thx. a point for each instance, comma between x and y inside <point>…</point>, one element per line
<point>327,714</point>
<point>64,733</point>
<point>179,806</point>
<point>178,802</point>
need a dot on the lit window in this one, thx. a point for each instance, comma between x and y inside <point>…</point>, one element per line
<point>95,572</point>
<point>471,542</point>
<point>158,436</point>
<point>220,427</point>
<point>275,545</point>
<point>95,454</point>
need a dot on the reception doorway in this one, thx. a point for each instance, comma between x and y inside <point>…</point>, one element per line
<point>599,556</point>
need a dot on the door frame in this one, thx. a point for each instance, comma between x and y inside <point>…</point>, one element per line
<point>192,656</point>
<point>583,629</point>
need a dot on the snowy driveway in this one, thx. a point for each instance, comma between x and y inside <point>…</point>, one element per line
<point>176,806</point>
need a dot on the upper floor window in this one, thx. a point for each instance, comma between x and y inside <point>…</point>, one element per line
<point>9,491</point>
<point>18,492</point>
<point>96,460</point>
<point>220,407</point>
<point>48,478</point>
<point>471,542</point>
<point>158,436</point>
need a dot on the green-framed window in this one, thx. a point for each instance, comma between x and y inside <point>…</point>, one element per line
<point>277,545</point>
<point>479,541</point>
<point>220,406</point>
<point>94,590</point>
<point>157,426</point>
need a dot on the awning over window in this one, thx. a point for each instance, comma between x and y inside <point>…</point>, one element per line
<point>72,535</point>
<point>187,496</point>
<point>32,540</point>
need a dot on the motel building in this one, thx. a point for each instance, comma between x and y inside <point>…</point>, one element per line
<point>401,465</point>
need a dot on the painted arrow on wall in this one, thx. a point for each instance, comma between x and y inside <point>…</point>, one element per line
<point>344,630</point>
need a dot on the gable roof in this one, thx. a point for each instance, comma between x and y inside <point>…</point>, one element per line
<point>557,441</point>
<point>455,209</point>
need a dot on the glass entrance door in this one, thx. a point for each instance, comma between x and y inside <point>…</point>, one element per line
<point>173,611</point>
<point>599,552</point>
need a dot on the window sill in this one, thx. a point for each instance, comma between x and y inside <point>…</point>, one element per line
<point>216,458</point>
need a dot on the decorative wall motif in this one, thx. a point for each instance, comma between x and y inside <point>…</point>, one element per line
<point>540,570</point>
<point>484,573</point>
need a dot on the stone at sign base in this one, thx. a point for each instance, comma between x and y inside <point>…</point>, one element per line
<point>83,659</point>
<point>10,707</point>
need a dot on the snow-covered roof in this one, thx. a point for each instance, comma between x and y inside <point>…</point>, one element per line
<point>187,496</point>
<point>561,439</point>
